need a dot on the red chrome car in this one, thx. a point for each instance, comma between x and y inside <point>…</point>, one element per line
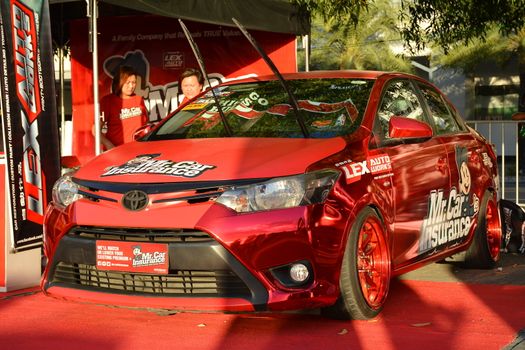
<point>270,207</point>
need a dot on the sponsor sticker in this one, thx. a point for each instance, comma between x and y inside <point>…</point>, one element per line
<point>449,219</point>
<point>148,164</point>
<point>193,106</point>
<point>132,257</point>
<point>486,160</point>
<point>375,165</point>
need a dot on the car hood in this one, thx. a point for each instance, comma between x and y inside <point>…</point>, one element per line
<point>207,159</point>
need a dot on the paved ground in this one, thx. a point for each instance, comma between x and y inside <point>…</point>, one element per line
<point>509,270</point>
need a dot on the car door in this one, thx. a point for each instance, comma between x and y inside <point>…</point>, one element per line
<point>465,161</point>
<point>420,173</point>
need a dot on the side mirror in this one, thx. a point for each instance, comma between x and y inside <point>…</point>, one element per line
<point>403,128</point>
<point>142,131</point>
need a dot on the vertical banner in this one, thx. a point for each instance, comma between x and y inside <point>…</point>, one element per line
<point>29,116</point>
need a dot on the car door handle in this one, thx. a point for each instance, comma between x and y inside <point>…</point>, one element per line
<point>441,165</point>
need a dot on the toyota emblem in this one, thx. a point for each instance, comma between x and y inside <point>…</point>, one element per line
<point>135,200</point>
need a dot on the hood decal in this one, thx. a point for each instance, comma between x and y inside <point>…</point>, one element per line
<point>148,164</point>
<point>213,159</point>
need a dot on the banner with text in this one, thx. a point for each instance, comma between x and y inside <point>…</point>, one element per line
<point>28,115</point>
<point>158,50</point>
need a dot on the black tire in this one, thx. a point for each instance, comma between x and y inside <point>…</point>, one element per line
<point>484,251</point>
<point>365,271</point>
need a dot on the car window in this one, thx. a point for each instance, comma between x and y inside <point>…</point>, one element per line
<point>399,99</point>
<point>328,107</point>
<point>457,117</point>
<point>444,121</point>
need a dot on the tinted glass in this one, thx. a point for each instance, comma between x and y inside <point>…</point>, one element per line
<point>443,119</point>
<point>400,100</point>
<point>329,107</point>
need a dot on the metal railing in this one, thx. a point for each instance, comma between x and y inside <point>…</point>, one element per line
<point>504,135</point>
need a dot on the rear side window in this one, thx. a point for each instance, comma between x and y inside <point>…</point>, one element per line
<point>443,119</point>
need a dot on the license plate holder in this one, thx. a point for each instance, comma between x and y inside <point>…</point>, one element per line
<point>139,257</point>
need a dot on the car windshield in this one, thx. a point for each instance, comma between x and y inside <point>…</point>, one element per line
<point>329,107</point>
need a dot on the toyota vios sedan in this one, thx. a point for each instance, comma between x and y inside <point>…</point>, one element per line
<point>253,199</point>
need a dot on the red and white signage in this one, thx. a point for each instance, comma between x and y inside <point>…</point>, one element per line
<point>374,165</point>
<point>157,49</point>
<point>132,257</point>
<point>30,132</point>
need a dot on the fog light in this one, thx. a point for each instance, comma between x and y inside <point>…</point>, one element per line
<point>299,273</point>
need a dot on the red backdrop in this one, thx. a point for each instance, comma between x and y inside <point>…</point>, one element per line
<point>157,48</point>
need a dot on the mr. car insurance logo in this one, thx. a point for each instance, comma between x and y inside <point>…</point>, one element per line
<point>449,219</point>
<point>147,164</point>
<point>141,259</point>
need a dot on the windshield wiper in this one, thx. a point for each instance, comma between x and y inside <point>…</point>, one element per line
<point>269,63</point>
<point>198,56</point>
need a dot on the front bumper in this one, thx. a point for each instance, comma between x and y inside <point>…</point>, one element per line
<point>218,260</point>
<point>199,268</point>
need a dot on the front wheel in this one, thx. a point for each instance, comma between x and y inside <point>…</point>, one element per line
<point>365,272</point>
<point>484,251</point>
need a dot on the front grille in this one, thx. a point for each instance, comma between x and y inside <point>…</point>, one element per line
<point>177,283</point>
<point>191,192</point>
<point>140,235</point>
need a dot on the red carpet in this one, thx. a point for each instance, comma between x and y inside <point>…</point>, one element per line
<point>418,315</point>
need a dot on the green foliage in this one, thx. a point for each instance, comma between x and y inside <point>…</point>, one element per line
<point>447,23</point>
<point>359,34</point>
<point>343,42</point>
<point>334,10</point>
<point>494,47</point>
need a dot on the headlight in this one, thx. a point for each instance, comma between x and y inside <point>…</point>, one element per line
<point>282,192</point>
<point>65,191</point>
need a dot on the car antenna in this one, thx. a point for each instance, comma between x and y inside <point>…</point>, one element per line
<point>275,71</point>
<point>200,61</point>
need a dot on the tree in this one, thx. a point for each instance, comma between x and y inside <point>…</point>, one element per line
<point>468,29</point>
<point>449,23</point>
<point>363,43</point>
<point>334,10</point>
<point>443,22</point>
<point>494,46</point>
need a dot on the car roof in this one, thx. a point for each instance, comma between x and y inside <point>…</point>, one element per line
<point>334,74</point>
<point>322,74</point>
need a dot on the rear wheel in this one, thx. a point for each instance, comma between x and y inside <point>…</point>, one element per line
<point>484,250</point>
<point>365,272</point>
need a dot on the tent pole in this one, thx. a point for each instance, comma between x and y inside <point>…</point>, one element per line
<point>62,110</point>
<point>93,40</point>
<point>307,52</point>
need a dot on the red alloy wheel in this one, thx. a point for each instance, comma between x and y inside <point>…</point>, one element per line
<point>373,263</point>
<point>493,230</point>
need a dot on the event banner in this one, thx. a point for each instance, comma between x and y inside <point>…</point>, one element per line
<point>29,116</point>
<point>158,50</point>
